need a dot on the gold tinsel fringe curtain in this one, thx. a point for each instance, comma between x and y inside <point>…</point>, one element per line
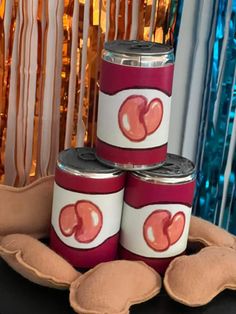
<point>49,69</point>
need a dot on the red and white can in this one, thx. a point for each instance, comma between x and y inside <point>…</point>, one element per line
<point>157,212</point>
<point>134,104</point>
<point>87,208</point>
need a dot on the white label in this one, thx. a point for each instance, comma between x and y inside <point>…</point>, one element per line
<point>105,219</point>
<point>123,120</point>
<point>155,231</point>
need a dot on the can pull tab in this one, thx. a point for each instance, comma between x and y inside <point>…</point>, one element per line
<point>171,168</point>
<point>87,154</point>
<point>143,45</point>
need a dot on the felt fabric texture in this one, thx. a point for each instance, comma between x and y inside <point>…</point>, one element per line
<point>113,287</point>
<point>195,280</point>
<point>27,209</point>
<point>208,234</point>
<point>36,262</point>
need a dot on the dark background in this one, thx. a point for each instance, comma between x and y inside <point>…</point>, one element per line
<point>20,296</point>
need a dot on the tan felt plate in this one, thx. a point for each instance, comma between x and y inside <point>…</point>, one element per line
<point>113,287</point>
<point>208,234</point>
<point>28,209</point>
<point>36,262</point>
<point>195,280</point>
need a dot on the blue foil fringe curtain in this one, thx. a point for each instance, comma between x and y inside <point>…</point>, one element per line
<point>216,153</point>
<point>178,20</point>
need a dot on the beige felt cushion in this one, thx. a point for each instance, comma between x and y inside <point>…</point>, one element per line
<point>113,287</point>
<point>208,234</point>
<point>195,280</point>
<point>28,209</point>
<point>36,262</point>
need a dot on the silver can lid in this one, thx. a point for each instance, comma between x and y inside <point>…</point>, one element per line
<point>138,53</point>
<point>176,169</point>
<point>82,161</point>
<point>138,47</point>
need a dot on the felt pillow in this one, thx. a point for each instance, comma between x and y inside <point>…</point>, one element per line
<point>208,234</point>
<point>195,280</point>
<point>36,262</point>
<point>113,287</point>
<point>27,209</point>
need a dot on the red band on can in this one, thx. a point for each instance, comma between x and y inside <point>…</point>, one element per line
<point>125,77</point>
<point>118,155</point>
<point>158,193</point>
<point>83,184</point>
<point>159,264</point>
<point>83,258</point>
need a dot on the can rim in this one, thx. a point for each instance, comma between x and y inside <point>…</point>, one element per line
<point>176,169</point>
<point>87,174</point>
<point>164,180</point>
<point>141,61</point>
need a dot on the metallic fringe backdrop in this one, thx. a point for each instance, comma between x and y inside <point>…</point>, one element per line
<point>49,70</point>
<point>203,119</point>
<point>49,73</point>
<point>216,154</point>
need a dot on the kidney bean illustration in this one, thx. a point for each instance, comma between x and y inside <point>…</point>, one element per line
<point>176,227</point>
<point>160,231</point>
<point>83,219</point>
<point>68,220</point>
<point>137,118</point>
<point>153,115</point>
<point>89,221</point>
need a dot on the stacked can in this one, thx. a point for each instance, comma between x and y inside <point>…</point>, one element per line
<point>134,104</point>
<point>87,208</point>
<point>157,212</point>
<point>132,134</point>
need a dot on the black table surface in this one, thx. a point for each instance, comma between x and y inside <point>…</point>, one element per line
<point>20,296</point>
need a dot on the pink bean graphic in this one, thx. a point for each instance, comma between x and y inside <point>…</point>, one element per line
<point>160,231</point>
<point>137,118</point>
<point>83,219</point>
<point>68,220</point>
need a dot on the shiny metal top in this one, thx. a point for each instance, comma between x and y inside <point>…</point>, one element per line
<point>138,47</point>
<point>138,53</point>
<point>82,161</point>
<point>176,169</point>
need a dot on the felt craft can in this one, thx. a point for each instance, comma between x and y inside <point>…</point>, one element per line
<point>134,104</point>
<point>87,208</point>
<point>157,211</point>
